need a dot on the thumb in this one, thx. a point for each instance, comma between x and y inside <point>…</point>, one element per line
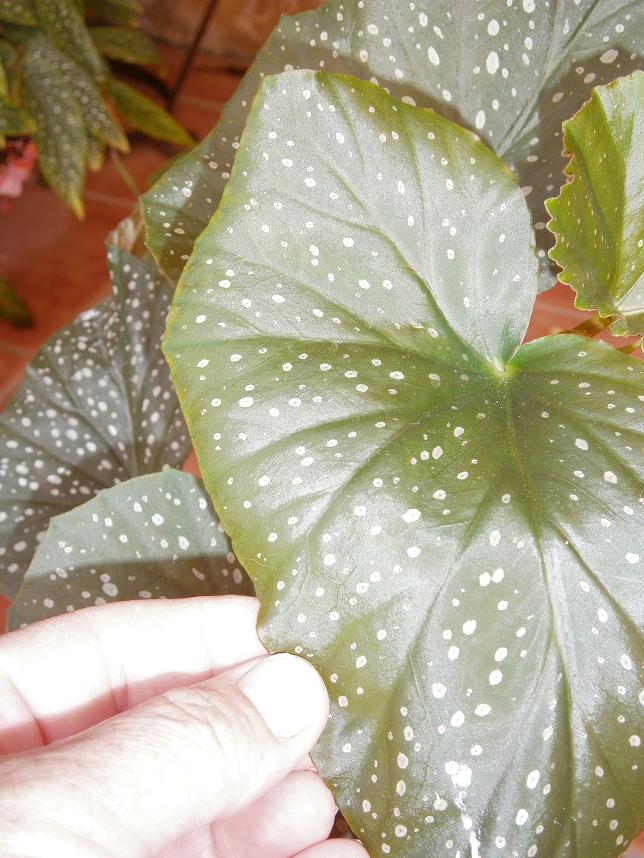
<point>133,784</point>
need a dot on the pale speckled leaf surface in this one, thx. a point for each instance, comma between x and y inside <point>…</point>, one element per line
<point>64,22</point>
<point>60,136</point>
<point>511,69</point>
<point>598,219</point>
<point>98,121</point>
<point>449,526</point>
<point>152,537</point>
<point>18,12</point>
<point>96,408</point>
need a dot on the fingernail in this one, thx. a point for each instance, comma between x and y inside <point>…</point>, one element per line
<point>287,692</point>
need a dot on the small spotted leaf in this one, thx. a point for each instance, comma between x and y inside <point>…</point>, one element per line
<point>96,408</point>
<point>8,57</point>
<point>598,218</point>
<point>151,537</point>
<point>12,308</point>
<point>95,154</point>
<point>147,116</point>
<point>126,44</point>
<point>60,136</point>
<point>13,119</point>
<point>123,12</point>
<point>448,524</point>
<point>19,12</point>
<point>512,71</point>
<point>97,118</point>
<point>63,21</point>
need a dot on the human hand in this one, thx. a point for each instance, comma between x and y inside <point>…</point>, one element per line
<point>160,729</point>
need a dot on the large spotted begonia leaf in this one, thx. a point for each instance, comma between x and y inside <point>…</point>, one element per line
<point>151,537</point>
<point>511,69</point>
<point>96,408</point>
<point>598,219</point>
<point>448,524</point>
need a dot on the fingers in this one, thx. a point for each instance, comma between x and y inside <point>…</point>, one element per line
<point>134,784</point>
<point>295,814</point>
<point>61,676</point>
<point>335,849</point>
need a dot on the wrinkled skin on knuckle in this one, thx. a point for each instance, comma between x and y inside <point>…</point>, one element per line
<point>40,797</point>
<point>221,724</point>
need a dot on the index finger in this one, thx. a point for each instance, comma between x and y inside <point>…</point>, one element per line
<point>60,676</point>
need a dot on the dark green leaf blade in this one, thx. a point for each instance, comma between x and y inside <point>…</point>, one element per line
<point>19,12</point>
<point>126,44</point>
<point>95,154</point>
<point>60,137</point>
<point>598,218</point>
<point>511,71</point>
<point>151,537</point>
<point>12,308</point>
<point>145,115</point>
<point>123,12</point>
<point>65,24</point>
<point>96,408</point>
<point>98,119</point>
<point>448,528</point>
<point>13,119</point>
<point>8,58</point>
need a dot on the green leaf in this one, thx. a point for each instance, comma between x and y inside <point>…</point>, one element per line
<point>446,523</point>
<point>16,34</point>
<point>152,537</point>
<point>145,115</point>
<point>18,12</point>
<point>8,58</point>
<point>65,24</point>
<point>98,119</point>
<point>12,308</point>
<point>513,71</point>
<point>126,44</point>
<point>95,153</point>
<point>123,12</point>
<point>597,218</point>
<point>13,119</point>
<point>96,408</point>
<point>60,137</point>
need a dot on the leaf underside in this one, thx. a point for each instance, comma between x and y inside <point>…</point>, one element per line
<point>446,523</point>
<point>151,537</point>
<point>598,219</point>
<point>512,71</point>
<point>96,408</point>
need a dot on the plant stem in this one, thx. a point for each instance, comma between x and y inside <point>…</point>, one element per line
<point>591,327</point>
<point>632,347</point>
<point>125,174</point>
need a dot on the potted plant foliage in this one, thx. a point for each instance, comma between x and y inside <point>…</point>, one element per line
<point>445,520</point>
<point>58,88</point>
